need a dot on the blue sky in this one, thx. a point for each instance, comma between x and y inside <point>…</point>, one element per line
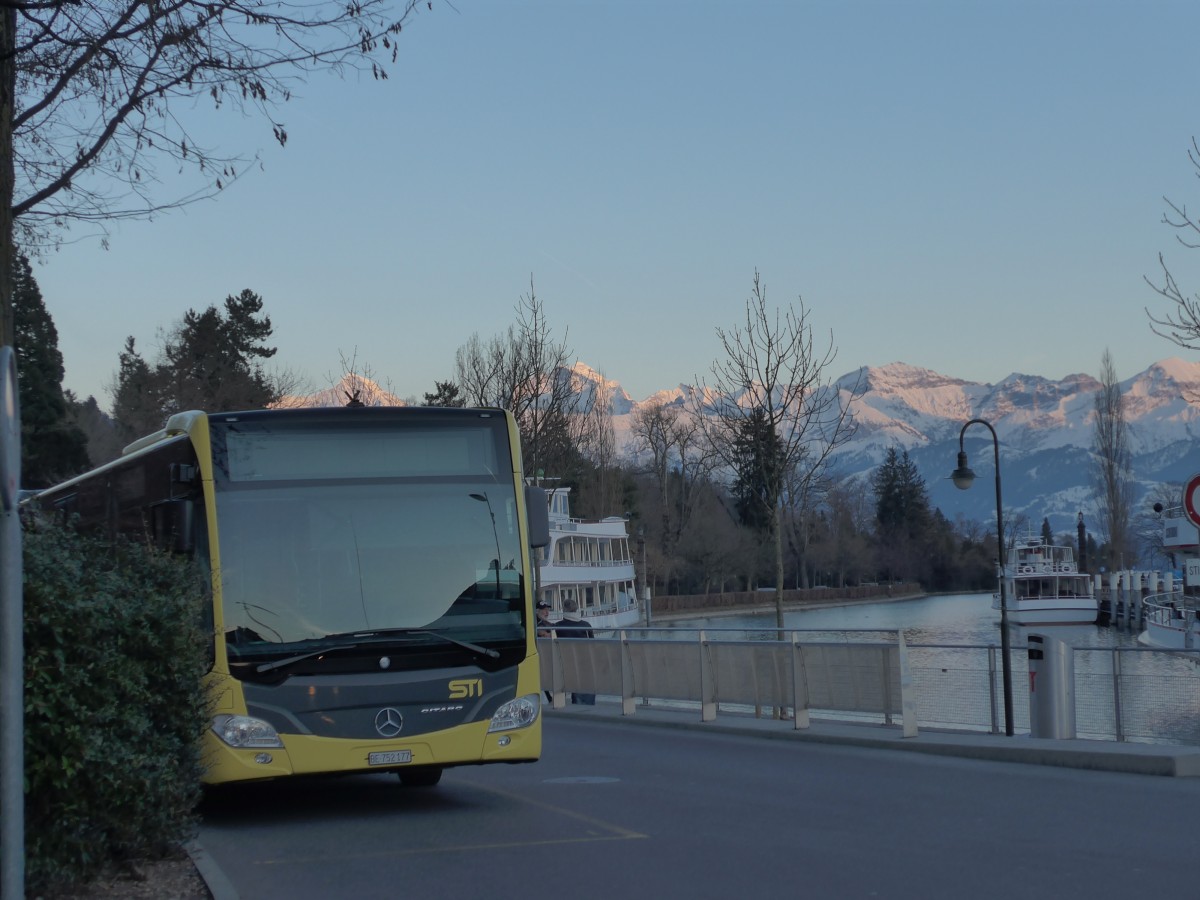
<point>971,187</point>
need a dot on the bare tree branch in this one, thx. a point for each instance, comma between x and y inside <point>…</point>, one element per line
<point>1182,325</point>
<point>524,371</point>
<point>92,94</point>
<point>773,372</point>
<point>99,84</point>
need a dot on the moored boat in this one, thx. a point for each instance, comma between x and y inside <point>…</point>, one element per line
<point>590,562</point>
<point>1044,586</point>
<point>1172,618</point>
<point>1172,621</point>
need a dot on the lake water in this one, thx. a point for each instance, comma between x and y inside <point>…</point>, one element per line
<point>944,619</point>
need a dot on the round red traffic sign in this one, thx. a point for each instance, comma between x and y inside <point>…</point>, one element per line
<point>1191,499</point>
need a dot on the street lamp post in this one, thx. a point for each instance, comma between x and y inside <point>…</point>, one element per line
<point>962,478</point>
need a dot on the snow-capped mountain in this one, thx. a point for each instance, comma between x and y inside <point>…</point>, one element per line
<point>350,387</point>
<point>1045,429</point>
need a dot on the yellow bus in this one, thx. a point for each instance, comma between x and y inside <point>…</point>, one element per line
<point>370,580</point>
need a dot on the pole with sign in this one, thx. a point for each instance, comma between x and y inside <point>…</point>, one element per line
<point>1191,499</point>
<point>12,649</point>
<point>1191,572</point>
<point>1191,506</point>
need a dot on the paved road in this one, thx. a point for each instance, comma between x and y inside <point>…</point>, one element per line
<point>619,810</point>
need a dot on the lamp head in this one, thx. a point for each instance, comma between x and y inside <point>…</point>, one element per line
<point>962,476</point>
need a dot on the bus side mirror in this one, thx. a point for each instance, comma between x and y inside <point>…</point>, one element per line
<point>538,512</point>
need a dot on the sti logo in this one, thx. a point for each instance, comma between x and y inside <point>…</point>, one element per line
<point>466,687</point>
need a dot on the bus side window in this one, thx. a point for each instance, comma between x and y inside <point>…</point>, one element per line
<point>172,526</point>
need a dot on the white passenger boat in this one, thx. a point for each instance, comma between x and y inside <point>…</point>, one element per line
<point>1172,621</point>
<point>590,562</point>
<point>1172,618</point>
<point>1045,587</point>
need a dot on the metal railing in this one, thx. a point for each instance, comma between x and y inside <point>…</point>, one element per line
<point>790,677</point>
<point>1173,620</point>
<point>875,678</point>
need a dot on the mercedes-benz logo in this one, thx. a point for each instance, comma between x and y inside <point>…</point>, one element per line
<point>388,722</point>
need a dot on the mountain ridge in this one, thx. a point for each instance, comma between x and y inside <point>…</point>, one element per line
<point>1044,428</point>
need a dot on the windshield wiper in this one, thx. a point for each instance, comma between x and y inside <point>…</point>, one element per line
<point>280,663</point>
<point>466,645</point>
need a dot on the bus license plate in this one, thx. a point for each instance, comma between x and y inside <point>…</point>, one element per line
<point>389,757</point>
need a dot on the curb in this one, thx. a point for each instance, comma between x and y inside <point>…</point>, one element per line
<point>1105,756</point>
<point>214,879</point>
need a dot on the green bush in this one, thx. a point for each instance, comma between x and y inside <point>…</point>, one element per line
<point>114,652</point>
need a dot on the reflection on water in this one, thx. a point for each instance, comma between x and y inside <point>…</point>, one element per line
<point>946,619</point>
<point>1119,687</point>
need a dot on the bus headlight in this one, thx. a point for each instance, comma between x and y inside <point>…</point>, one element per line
<point>519,713</point>
<point>244,731</point>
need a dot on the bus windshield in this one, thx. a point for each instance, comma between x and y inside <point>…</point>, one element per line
<point>327,532</point>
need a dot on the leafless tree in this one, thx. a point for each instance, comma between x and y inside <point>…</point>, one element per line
<point>671,443</point>
<point>591,431</point>
<point>1148,523</point>
<point>1181,325</point>
<point>772,373</point>
<point>1112,464</point>
<point>358,384</point>
<point>799,518</point>
<point>721,552</point>
<point>845,549</point>
<point>95,98</point>
<point>525,371</point>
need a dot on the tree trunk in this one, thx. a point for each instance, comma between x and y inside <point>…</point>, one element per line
<point>8,91</point>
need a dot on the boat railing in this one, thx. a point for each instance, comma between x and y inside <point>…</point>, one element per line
<point>585,563</point>
<point>1047,568</point>
<point>1171,610</point>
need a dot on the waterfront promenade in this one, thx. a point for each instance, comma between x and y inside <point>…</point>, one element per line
<point>744,603</point>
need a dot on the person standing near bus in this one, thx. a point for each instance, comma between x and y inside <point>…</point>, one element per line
<point>544,630</point>
<point>543,619</point>
<point>573,625</point>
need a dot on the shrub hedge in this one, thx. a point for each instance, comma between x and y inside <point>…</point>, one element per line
<point>114,653</point>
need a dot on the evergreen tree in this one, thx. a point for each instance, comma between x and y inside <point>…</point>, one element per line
<point>759,471</point>
<point>944,565</point>
<point>902,515</point>
<point>211,361</point>
<point>445,393</point>
<point>137,405</point>
<point>103,442</point>
<point>52,447</point>
<point>1047,533</point>
<point>1112,466</point>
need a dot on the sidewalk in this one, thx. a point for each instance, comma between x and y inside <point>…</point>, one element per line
<point>1107,756</point>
